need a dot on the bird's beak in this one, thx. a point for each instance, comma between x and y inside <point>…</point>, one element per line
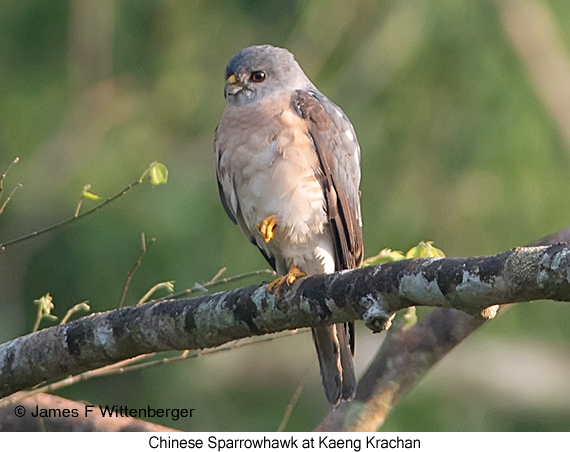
<point>232,86</point>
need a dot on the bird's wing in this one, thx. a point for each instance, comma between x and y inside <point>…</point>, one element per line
<point>230,202</point>
<point>335,143</point>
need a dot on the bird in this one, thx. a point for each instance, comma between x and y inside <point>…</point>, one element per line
<point>288,172</point>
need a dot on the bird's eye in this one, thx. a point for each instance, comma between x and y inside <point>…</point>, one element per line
<point>258,76</point>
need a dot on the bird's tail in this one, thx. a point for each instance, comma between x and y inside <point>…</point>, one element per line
<point>335,360</point>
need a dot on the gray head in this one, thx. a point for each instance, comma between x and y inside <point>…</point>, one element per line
<point>259,71</point>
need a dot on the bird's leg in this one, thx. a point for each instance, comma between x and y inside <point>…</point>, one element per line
<point>266,228</point>
<point>293,274</point>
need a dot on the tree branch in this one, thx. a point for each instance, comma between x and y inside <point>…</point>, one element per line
<point>404,358</point>
<point>373,294</point>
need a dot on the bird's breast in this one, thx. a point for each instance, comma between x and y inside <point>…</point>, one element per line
<point>270,156</point>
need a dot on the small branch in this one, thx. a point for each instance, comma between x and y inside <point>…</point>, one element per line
<point>3,176</point>
<point>168,285</point>
<point>217,276</point>
<point>404,358</point>
<point>145,247</point>
<point>79,307</point>
<point>69,220</point>
<point>295,398</point>
<point>5,203</point>
<point>216,281</point>
<point>373,294</point>
<point>135,364</point>
<point>76,217</point>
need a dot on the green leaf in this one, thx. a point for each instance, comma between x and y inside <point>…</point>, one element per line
<point>45,304</point>
<point>386,255</point>
<point>93,196</point>
<point>158,174</point>
<point>424,249</point>
<point>86,194</point>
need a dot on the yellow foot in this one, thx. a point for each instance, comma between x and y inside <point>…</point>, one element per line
<point>266,228</point>
<point>293,274</point>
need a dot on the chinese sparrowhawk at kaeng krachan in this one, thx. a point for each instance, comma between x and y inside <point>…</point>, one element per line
<point>288,168</point>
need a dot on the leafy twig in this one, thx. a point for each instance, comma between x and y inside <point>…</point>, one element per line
<point>86,194</point>
<point>45,305</point>
<point>83,215</point>
<point>216,282</point>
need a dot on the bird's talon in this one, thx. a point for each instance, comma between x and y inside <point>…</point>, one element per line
<point>279,282</point>
<point>293,274</point>
<point>266,228</point>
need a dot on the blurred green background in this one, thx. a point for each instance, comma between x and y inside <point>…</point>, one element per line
<point>457,109</point>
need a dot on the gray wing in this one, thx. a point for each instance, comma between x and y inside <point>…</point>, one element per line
<point>339,156</point>
<point>224,180</point>
<point>335,143</point>
<point>226,198</point>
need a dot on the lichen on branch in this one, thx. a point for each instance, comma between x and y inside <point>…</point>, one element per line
<point>373,293</point>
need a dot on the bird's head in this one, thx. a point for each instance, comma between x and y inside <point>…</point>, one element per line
<point>260,71</point>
